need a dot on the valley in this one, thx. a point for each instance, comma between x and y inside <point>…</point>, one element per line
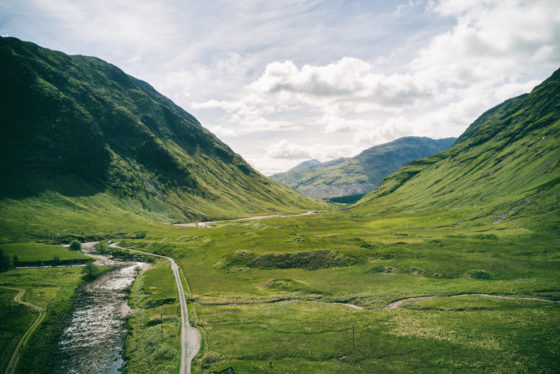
<point>451,264</point>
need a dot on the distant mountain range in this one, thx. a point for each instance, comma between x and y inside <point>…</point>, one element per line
<point>506,164</point>
<point>87,135</point>
<point>346,180</point>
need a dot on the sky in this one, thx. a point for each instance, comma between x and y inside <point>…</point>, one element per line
<point>283,81</point>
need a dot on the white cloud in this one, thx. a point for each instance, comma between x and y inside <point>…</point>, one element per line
<point>493,40</point>
<point>283,155</point>
<point>285,149</point>
<point>349,80</point>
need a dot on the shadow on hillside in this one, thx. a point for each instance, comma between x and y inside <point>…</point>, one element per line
<point>25,186</point>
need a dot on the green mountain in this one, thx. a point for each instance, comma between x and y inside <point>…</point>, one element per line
<point>353,177</point>
<point>506,164</point>
<point>78,133</point>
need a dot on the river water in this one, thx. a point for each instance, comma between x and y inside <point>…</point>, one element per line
<point>92,341</point>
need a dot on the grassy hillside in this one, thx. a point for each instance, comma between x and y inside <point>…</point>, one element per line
<point>77,131</point>
<point>362,173</point>
<point>506,164</point>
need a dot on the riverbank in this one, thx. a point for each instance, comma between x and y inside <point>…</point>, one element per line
<point>152,342</point>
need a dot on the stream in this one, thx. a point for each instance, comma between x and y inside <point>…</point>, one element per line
<point>92,340</point>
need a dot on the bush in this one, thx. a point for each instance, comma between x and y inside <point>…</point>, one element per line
<point>91,271</point>
<point>5,261</point>
<point>479,274</point>
<point>310,260</point>
<point>75,245</point>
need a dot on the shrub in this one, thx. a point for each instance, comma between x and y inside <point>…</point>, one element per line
<point>310,260</point>
<point>5,261</point>
<point>91,271</point>
<point>479,274</point>
<point>75,245</point>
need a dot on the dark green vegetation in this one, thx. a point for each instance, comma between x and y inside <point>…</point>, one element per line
<point>353,177</point>
<point>78,135</point>
<point>309,260</point>
<point>75,245</point>
<point>49,288</point>
<point>153,340</point>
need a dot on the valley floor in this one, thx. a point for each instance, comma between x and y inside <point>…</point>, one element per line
<point>351,291</point>
<point>317,293</point>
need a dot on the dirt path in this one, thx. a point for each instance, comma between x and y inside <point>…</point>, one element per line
<point>275,301</point>
<point>211,223</point>
<point>15,356</point>
<point>526,201</point>
<point>396,304</point>
<point>190,337</point>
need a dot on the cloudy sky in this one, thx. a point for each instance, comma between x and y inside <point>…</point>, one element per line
<point>285,81</point>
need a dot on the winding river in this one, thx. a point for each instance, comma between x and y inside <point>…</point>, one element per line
<point>93,338</point>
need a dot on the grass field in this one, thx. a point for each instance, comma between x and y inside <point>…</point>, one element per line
<point>38,253</point>
<point>281,312</point>
<point>153,339</point>
<point>264,291</point>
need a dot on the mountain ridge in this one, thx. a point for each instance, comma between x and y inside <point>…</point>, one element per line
<point>361,173</point>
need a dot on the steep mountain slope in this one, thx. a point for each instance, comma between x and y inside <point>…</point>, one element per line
<point>362,173</point>
<point>508,161</point>
<point>75,127</point>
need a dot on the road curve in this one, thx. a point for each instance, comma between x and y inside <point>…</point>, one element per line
<point>210,223</point>
<point>15,356</point>
<point>190,337</point>
<point>397,303</point>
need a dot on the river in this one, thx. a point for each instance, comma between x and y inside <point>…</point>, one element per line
<point>93,338</point>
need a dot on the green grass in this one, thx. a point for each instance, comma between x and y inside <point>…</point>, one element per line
<point>48,288</point>
<point>310,337</point>
<point>247,319</point>
<point>251,315</point>
<point>154,330</point>
<point>38,253</point>
<point>15,319</point>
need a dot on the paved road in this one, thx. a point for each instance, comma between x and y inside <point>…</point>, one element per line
<point>190,337</point>
<point>15,356</point>
<point>210,223</point>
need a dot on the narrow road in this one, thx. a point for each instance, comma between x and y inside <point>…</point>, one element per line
<point>190,337</point>
<point>210,223</point>
<point>15,356</point>
<point>396,304</point>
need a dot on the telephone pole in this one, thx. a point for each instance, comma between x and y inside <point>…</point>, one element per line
<point>353,335</point>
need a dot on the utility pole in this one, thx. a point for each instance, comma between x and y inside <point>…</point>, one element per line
<point>353,334</point>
